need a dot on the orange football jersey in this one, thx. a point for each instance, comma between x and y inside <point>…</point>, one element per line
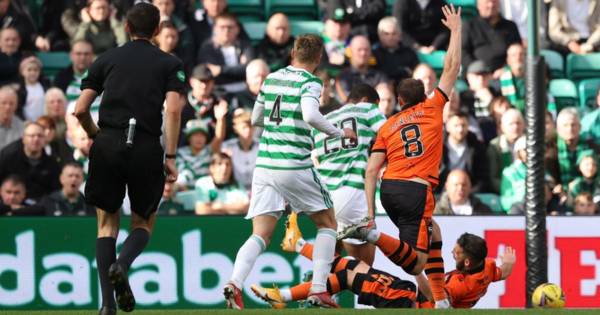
<point>465,289</point>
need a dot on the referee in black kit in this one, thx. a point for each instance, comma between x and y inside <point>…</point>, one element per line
<point>136,78</point>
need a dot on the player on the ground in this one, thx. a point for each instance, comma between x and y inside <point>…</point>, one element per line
<point>342,162</point>
<point>411,144</point>
<point>287,107</point>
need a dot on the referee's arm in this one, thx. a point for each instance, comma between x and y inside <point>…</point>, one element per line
<point>174,105</point>
<point>82,111</point>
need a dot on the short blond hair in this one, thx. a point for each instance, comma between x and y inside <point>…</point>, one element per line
<point>308,48</point>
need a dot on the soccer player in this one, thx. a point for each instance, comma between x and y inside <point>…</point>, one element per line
<point>287,107</point>
<point>342,163</point>
<point>411,144</point>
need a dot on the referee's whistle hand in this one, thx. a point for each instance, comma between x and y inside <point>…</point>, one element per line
<point>170,170</point>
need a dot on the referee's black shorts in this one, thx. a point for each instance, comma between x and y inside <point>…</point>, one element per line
<point>114,166</point>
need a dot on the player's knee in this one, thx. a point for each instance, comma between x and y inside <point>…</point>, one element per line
<point>419,265</point>
<point>325,219</point>
<point>436,232</point>
<point>108,230</point>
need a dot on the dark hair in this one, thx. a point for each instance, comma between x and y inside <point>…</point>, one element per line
<point>458,114</point>
<point>14,179</point>
<point>142,20</point>
<point>474,247</point>
<point>166,24</point>
<point>47,122</point>
<point>72,164</point>
<point>361,91</point>
<point>308,48</point>
<point>411,91</point>
<point>227,16</point>
<point>218,157</point>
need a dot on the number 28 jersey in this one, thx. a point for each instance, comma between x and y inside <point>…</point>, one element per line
<point>412,140</point>
<point>343,162</point>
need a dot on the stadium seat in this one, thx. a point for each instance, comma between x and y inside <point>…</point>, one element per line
<point>255,30</point>
<point>247,10</point>
<point>581,67</point>
<point>555,62</point>
<point>461,85</point>
<point>389,7</point>
<point>304,27</point>
<point>588,90</point>
<point>294,9</point>
<point>469,8</point>
<point>491,200</point>
<point>435,60</point>
<point>53,62</point>
<point>187,199</point>
<point>564,92</point>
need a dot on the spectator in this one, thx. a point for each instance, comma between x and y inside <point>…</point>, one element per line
<point>487,36</point>
<point>27,159</point>
<point>14,15</point>
<point>13,202</point>
<point>55,108</point>
<point>425,73</point>
<point>51,146</point>
<point>32,89</point>
<point>68,201</point>
<point>276,46</point>
<point>10,55</point>
<point>501,150</point>
<point>168,204</point>
<point>463,151</point>
<point>82,144</point>
<point>185,48</point>
<point>359,70</point>
<point>219,193</point>
<point>518,12</point>
<point>498,106</point>
<point>458,198</point>
<point>51,35</point>
<point>327,101</point>
<point>512,78</point>
<point>100,27</point>
<point>243,150</point>
<point>256,73</point>
<point>421,24</point>
<point>336,36</point>
<point>193,160</point>
<point>590,124</point>
<point>574,25</point>
<point>167,38</point>
<point>363,15</point>
<point>203,21</point>
<point>453,106</point>
<point>393,58</point>
<point>11,126</point>
<point>584,205</point>
<point>387,99</point>
<point>568,144</point>
<point>512,188</point>
<point>551,200</point>
<point>479,96</point>
<point>226,55</point>
<point>589,181</point>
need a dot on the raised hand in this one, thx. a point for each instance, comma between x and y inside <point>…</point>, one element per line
<point>509,256</point>
<point>221,109</point>
<point>452,18</point>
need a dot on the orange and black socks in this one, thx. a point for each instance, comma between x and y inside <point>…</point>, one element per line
<point>399,252</point>
<point>434,269</point>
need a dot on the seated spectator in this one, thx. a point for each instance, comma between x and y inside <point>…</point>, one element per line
<point>512,188</point>
<point>69,78</point>
<point>425,73</point>
<point>100,27</point>
<point>82,144</point>
<point>359,71</point>
<point>219,193</point>
<point>363,15</point>
<point>13,14</point>
<point>336,37</point>
<point>479,96</point>
<point>486,37</point>
<point>243,150</point>
<point>590,124</point>
<point>327,101</point>
<point>55,106</point>
<point>500,151</point>
<point>185,48</point>
<point>393,58</point>
<point>463,151</point>
<point>387,99</point>
<point>256,73</point>
<point>458,198</point>
<point>551,200</point>
<point>51,144</point>
<point>27,159</point>
<point>498,106</point>
<point>32,88</point>
<point>51,35</point>
<point>453,106</point>
<point>202,21</point>
<point>68,201</point>
<point>574,25</point>
<point>226,54</point>
<point>193,160</point>
<point>569,145</point>
<point>167,37</point>
<point>276,46</point>
<point>10,55</point>
<point>584,205</point>
<point>11,126</point>
<point>421,23</point>
<point>512,79</point>
<point>589,181</point>
<point>12,199</point>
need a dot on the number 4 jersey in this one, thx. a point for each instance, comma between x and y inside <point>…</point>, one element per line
<point>412,140</point>
<point>343,162</point>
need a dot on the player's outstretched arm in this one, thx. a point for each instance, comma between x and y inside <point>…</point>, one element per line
<point>508,260</point>
<point>374,165</point>
<point>82,111</point>
<point>453,55</point>
<point>423,286</point>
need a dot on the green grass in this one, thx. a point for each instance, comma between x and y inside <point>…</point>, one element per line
<point>314,311</point>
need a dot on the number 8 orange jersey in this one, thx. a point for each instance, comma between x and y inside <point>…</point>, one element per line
<point>412,140</point>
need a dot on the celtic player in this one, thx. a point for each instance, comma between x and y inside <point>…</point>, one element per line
<point>287,107</point>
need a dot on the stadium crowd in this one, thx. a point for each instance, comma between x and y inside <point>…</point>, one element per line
<point>44,151</point>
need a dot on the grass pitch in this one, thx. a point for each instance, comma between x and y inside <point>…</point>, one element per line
<point>321,311</point>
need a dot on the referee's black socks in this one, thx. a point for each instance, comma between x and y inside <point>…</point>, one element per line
<point>106,256</point>
<point>133,247</point>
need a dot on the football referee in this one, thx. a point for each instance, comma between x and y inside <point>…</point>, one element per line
<point>136,78</point>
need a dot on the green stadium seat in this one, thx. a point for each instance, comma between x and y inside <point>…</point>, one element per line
<point>389,6</point>
<point>294,9</point>
<point>581,67</point>
<point>555,62</point>
<point>187,199</point>
<point>53,62</point>
<point>469,8</point>
<point>247,10</point>
<point>461,85</point>
<point>491,200</point>
<point>435,60</point>
<point>588,90</point>
<point>564,92</point>
<point>304,27</point>
<point>255,30</point>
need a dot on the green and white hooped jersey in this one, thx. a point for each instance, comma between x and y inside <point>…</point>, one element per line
<point>341,161</point>
<point>72,94</point>
<point>286,141</point>
<point>192,167</point>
